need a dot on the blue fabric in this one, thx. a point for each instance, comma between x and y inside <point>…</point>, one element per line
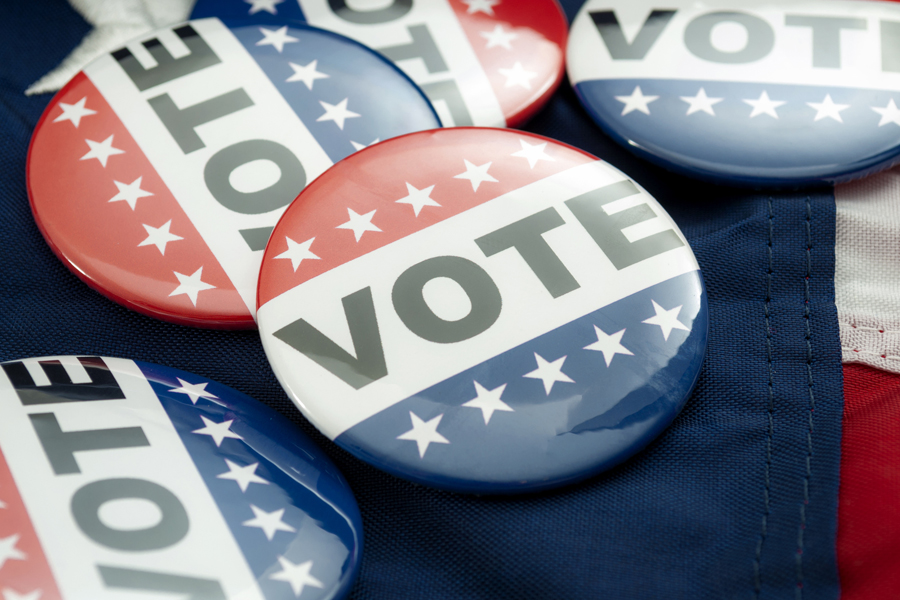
<point>737,499</point>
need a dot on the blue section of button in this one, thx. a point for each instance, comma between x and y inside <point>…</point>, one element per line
<point>542,439</point>
<point>300,480</point>
<point>259,12</point>
<point>346,95</point>
<point>741,142</point>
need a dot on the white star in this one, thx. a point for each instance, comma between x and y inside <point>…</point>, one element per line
<point>266,5</point>
<point>297,253</point>
<point>483,6</point>
<point>217,431</point>
<point>488,401</point>
<point>276,38</point>
<point>337,113</point>
<point>244,476</point>
<point>517,75</point>
<point>297,576</point>
<point>701,103</point>
<point>159,236</point>
<point>499,37</point>
<point>418,199</point>
<point>10,594</point>
<point>764,105</point>
<point>191,285</point>
<point>8,550</point>
<point>359,146</point>
<point>130,192</point>
<point>101,150</point>
<point>636,101</point>
<point>889,114</point>
<point>828,109</point>
<point>549,372</point>
<point>609,344</point>
<point>74,112</point>
<point>359,224</point>
<point>424,433</point>
<point>269,522</point>
<point>307,73</point>
<point>194,391</point>
<point>533,153</point>
<point>666,319</point>
<point>476,174</point>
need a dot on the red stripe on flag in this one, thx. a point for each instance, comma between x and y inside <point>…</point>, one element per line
<point>375,178</point>
<point>99,239</point>
<point>23,566</point>
<point>538,46</point>
<point>868,540</point>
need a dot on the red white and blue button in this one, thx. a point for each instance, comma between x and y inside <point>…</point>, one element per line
<point>122,478</point>
<point>482,310</point>
<point>752,93</point>
<point>490,63</point>
<point>158,172</point>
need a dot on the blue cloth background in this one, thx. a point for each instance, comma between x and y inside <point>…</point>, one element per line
<point>736,500</point>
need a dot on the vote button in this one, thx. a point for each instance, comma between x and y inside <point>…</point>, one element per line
<point>482,310</point>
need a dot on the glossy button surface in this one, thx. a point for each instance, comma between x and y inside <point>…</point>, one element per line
<point>158,172</point>
<point>482,62</point>
<point>122,478</point>
<point>482,310</point>
<point>751,93</point>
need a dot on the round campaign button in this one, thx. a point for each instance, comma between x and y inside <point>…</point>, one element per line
<point>482,310</point>
<point>489,63</point>
<point>158,172</point>
<point>121,478</point>
<point>753,93</point>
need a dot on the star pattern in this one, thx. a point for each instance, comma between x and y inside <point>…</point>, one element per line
<point>549,372</point>
<point>424,433</point>
<point>269,522</point>
<point>764,105</point>
<point>666,319</point>
<point>359,224</point>
<point>701,103</point>
<point>481,6</point>
<point>518,75</point>
<point>499,38</point>
<point>101,150</point>
<point>337,113</point>
<point>609,344</point>
<point>217,431</point>
<point>307,74</point>
<point>889,114</point>
<point>418,199</point>
<point>130,192</point>
<point>8,550</point>
<point>827,109</point>
<point>476,174</point>
<point>297,576</point>
<point>297,253</point>
<point>276,38</point>
<point>74,112</point>
<point>243,476</point>
<point>637,101</point>
<point>488,401</point>
<point>194,391</point>
<point>191,285</point>
<point>159,236</point>
<point>268,6</point>
<point>533,153</point>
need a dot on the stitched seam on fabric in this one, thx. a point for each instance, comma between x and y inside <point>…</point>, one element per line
<point>757,579</point>
<point>812,401</point>
<point>876,329</point>
<point>858,351</point>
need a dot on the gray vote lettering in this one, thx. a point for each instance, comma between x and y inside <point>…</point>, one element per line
<point>167,67</point>
<point>185,588</point>
<point>60,446</point>
<point>760,37</point>
<point>418,317</point>
<point>610,30</point>
<point>526,237</point>
<point>448,91</point>
<point>826,36</point>
<point>367,366</point>
<point>218,171</point>
<point>395,10</point>
<point>170,530</point>
<point>606,230</point>
<point>890,46</point>
<point>182,123</point>
<point>102,385</point>
<point>422,46</point>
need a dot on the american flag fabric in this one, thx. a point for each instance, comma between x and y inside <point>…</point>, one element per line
<point>119,477</point>
<point>488,63</point>
<point>769,94</point>
<point>158,173</point>
<point>562,380</point>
